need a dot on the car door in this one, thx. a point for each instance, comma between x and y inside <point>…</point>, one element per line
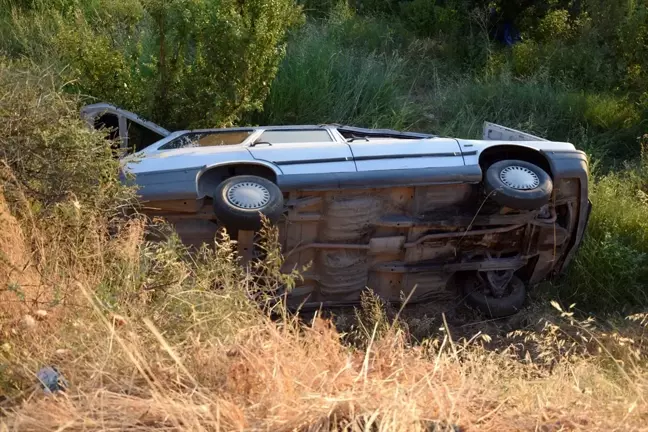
<point>303,151</point>
<point>130,132</point>
<point>374,153</point>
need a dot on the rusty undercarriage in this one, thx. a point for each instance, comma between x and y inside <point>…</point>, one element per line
<point>410,243</point>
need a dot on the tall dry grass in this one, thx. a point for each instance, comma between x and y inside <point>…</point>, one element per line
<point>151,337</point>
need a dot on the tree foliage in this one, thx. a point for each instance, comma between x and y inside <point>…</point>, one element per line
<point>183,63</point>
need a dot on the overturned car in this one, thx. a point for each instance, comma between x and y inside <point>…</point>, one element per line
<point>409,215</point>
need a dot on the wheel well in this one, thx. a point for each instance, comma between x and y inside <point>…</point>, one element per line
<point>502,152</point>
<point>211,178</point>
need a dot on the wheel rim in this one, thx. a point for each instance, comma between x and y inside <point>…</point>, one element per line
<point>518,177</point>
<point>248,195</point>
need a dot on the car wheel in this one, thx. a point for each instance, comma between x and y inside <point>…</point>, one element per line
<point>479,297</point>
<point>239,201</point>
<point>518,184</point>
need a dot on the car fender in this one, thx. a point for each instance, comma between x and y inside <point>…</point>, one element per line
<point>472,149</point>
<point>200,194</point>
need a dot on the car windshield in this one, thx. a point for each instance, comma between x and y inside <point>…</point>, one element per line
<point>353,133</point>
<point>208,139</point>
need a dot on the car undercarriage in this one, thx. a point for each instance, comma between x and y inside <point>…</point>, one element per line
<point>424,243</point>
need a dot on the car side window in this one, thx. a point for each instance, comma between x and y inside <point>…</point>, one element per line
<point>208,139</point>
<point>294,136</point>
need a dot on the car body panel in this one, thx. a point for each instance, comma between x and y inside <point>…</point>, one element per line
<point>472,149</point>
<point>303,157</point>
<point>399,154</point>
<point>382,178</point>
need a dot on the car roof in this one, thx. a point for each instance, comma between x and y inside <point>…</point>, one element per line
<point>340,128</point>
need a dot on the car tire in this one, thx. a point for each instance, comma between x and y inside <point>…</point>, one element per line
<point>495,307</point>
<point>518,185</point>
<point>239,201</point>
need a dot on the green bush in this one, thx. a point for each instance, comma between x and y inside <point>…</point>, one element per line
<point>51,154</point>
<point>100,69</point>
<point>376,35</point>
<point>369,7</point>
<point>319,8</point>
<point>600,45</point>
<point>526,59</point>
<point>428,18</point>
<point>555,25</point>
<point>216,60</point>
<point>183,63</point>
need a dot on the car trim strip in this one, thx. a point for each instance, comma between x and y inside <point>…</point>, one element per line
<point>379,157</point>
<point>313,161</point>
<point>406,156</point>
<point>381,178</point>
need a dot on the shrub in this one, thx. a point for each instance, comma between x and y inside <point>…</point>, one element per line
<point>370,7</point>
<point>50,151</point>
<point>428,18</point>
<point>216,60</point>
<point>181,63</point>
<point>99,69</point>
<point>526,59</point>
<point>376,35</point>
<point>319,8</point>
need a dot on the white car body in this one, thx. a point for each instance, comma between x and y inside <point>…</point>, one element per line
<point>455,160</point>
<point>317,167</point>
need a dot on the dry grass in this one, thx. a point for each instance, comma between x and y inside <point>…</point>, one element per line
<point>152,337</point>
<point>279,377</point>
<point>15,270</point>
<point>189,351</point>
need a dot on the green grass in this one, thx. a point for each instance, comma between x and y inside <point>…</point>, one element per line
<point>343,70</point>
<point>324,80</point>
<point>611,270</point>
<point>604,125</point>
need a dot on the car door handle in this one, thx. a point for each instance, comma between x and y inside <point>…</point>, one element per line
<point>260,143</point>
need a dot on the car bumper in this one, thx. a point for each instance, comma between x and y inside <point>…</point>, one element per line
<point>573,165</point>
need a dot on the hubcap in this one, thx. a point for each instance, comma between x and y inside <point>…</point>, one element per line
<point>520,178</point>
<point>248,195</point>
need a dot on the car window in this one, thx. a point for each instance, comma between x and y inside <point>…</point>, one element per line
<point>295,136</point>
<point>208,139</point>
<point>140,137</point>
